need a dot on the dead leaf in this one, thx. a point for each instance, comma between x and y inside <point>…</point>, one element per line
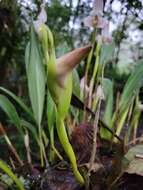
<point>135,158</point>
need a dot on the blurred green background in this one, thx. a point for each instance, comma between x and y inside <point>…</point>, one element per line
<point>65,18</point>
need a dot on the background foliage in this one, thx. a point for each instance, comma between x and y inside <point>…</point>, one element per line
<point>65,19</point>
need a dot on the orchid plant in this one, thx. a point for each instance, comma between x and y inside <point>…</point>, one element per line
<point>50,80</point>
<point>59,82</point>
<point>102,50</point>
<point>50,90</point>
<point>115,118</point>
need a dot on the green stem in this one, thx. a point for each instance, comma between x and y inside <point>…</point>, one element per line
<point>41,146</point>
<point>89,59</point>
<point>121,123</point>
<point>12,148</point>
<point>91,52</point>
<point>135,126</point>
<point>68,148</point>
<point>53,145</point>
<point>92,81</point>
<point>95,101</point>
<point>94,146</point>
<point>135,118</point>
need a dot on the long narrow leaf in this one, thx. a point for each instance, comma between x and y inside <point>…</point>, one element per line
<point>107,117</point>
<point>36,76</point>
<point>51,120</point>
<point>76,83</point>
<point>108,92</point>
<point>132,87</point>
<point>19,101</point>
<point>9,172</point>
<point>11,112</point>
<point>50,112</point>
<point>107,51</point>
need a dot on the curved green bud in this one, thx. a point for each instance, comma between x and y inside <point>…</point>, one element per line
<point>68,148</point>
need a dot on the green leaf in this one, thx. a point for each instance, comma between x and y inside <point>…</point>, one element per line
<point>9,172</point>
<point>107,51</point>
<point>134,157</point>
<point>76,83</point>
<point>50,112</point>
<point>107,85</point>
<point>11,112</point>
<point>27,53</point>
<point>19,101</point>
<point>36,76</point>
<point>31,128</point>
<point>132,86</point>
<point>6,179</point>
<point>65,97</point>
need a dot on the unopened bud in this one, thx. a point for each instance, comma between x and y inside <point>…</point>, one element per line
<point>69,61</point>
<point>100,93</point>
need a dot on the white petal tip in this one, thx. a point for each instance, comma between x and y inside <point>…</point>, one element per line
<point>100,93</point>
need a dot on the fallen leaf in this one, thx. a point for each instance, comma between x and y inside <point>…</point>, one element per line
<point>135,158</point>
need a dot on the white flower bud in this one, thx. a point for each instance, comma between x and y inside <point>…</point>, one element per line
<point>105,33</point>
<point>26,139</point>
<point>83,85</point>
<point>41,19</point>
<point>100,93</point>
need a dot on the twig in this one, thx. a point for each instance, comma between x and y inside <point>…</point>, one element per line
<point>116,180</point>
<point>12,163</point>
<point>93,153</point>
<point>140,156</point>
<point>89,59</point>
<point>10,145</point>
<point>140,139</point>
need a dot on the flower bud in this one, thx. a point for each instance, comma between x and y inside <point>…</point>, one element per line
<point>69,61</point>
<point>100,93</point>
<point>41,19</point>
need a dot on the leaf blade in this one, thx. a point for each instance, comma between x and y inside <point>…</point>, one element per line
<point>18,100</point>
<point>9,172</point>
<point>11,112</point>
<point>36,77</point>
